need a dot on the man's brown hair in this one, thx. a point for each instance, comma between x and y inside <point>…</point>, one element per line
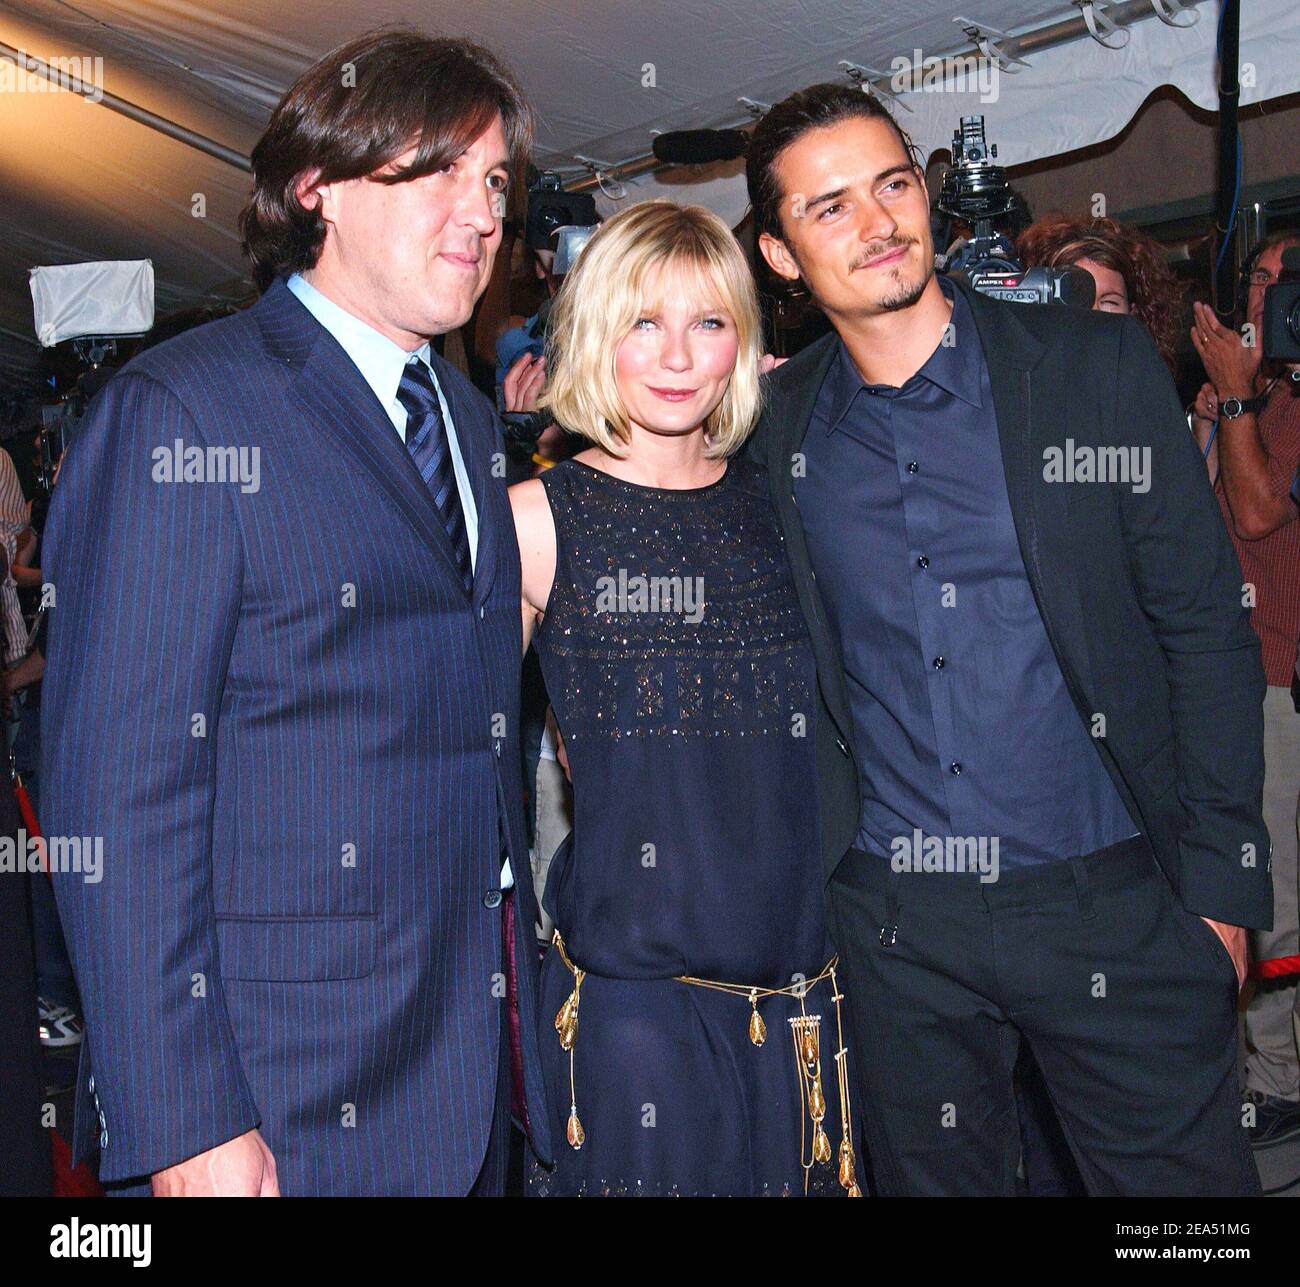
<point>355,112</point>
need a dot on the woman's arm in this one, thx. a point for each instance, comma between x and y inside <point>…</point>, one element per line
<point>535,532</point>
<point>23,572</point>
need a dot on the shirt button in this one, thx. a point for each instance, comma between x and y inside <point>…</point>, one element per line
<point>481,612</point>
<point>955,768</point>
<point>492,898</point>
<point>913,467</point>
<point>843,745</point>
<point>939,663</point>
<point>923,563</point>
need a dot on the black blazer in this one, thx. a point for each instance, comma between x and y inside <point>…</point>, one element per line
<point>1141,593</point>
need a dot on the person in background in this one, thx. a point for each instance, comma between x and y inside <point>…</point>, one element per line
<point>522,281</point>
<point>57,1005</point>
<point>1129,268</point>
<point>25,1157</point>
<point>37,995</point>
<point>1248,413</point>
<point>515,342</point>
<point>15,520</point>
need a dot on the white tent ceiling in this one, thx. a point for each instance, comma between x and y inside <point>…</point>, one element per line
<point>81,182</point>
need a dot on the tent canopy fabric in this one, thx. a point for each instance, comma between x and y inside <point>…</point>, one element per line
<point>81,182</point>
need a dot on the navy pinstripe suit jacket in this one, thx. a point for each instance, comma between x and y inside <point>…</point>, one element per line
<point>296,736</point>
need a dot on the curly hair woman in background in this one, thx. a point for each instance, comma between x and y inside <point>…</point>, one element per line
<point>1128,267</point>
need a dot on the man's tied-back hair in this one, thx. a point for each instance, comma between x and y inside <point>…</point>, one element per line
<point>357,110</point>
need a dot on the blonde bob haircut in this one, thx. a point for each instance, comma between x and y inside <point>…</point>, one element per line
<point>652,245</point>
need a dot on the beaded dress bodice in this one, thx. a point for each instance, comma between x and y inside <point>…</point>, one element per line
<point>680,670</point>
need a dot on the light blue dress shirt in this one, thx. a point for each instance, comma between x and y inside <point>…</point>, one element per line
<point>381,363</point>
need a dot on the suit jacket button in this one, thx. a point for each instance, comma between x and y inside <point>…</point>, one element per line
<point>843,745</point>
<point>103,1139</point>
<point>492,898</point>
<point>90,1083</point>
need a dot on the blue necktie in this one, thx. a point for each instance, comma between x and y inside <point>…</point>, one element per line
<point>426,440</point>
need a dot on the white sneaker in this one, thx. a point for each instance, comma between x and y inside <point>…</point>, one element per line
<point>59,1024</point>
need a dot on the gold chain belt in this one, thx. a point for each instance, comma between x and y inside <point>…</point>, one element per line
<point>805,1030</point>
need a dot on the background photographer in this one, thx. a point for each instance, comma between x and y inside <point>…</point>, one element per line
<point>15,521</point>
<point>1247,419</point>
<point>510,325</point>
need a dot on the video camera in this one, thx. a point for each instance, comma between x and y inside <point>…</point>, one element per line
<point>558,220</point>
<point>975,190</point>
<point>92,305</point>
<point>1282,313</point>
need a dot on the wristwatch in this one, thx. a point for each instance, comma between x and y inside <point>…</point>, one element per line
<point>1235,408</point>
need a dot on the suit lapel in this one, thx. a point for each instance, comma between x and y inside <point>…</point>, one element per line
<point>1031,416</point>
<point>792,399</point>
<point>337,398</point>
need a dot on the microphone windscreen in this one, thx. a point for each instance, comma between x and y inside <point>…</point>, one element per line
<point>699,147</point>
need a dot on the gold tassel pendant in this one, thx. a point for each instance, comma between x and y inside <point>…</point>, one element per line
<point>566,1021</point>
<point>757,1028</point>
<point>821,1145</point>
<point>848,1180</point>
<point>816,1100</point>
<point>576,1135</point>
<point>566,1024</point>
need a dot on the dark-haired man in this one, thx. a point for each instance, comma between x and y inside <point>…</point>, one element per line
<point>283,681</point>
<point>1041,765</point>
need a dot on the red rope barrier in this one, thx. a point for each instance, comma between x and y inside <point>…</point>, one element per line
<point>1276,968</point>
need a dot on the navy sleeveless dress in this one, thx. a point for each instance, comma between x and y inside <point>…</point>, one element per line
<point>680,670</point>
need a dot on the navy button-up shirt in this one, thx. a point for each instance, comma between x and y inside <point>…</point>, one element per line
<point>962,721</point>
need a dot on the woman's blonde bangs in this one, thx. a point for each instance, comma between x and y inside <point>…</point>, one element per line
<point>607,291</point>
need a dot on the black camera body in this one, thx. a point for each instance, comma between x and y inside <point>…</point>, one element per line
<point>59,420</point>
<point>551,208</point>
<point>1282,312</point>
<point>975,190</point>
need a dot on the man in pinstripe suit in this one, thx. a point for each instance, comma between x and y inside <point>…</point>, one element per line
<point>283,682</point>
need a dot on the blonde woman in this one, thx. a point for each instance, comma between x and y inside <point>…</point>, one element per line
<point>691,1028</point>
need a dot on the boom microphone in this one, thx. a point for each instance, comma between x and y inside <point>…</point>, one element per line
<point>699,147</point>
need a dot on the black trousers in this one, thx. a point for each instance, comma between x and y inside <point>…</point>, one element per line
<point>1127,1001</point>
